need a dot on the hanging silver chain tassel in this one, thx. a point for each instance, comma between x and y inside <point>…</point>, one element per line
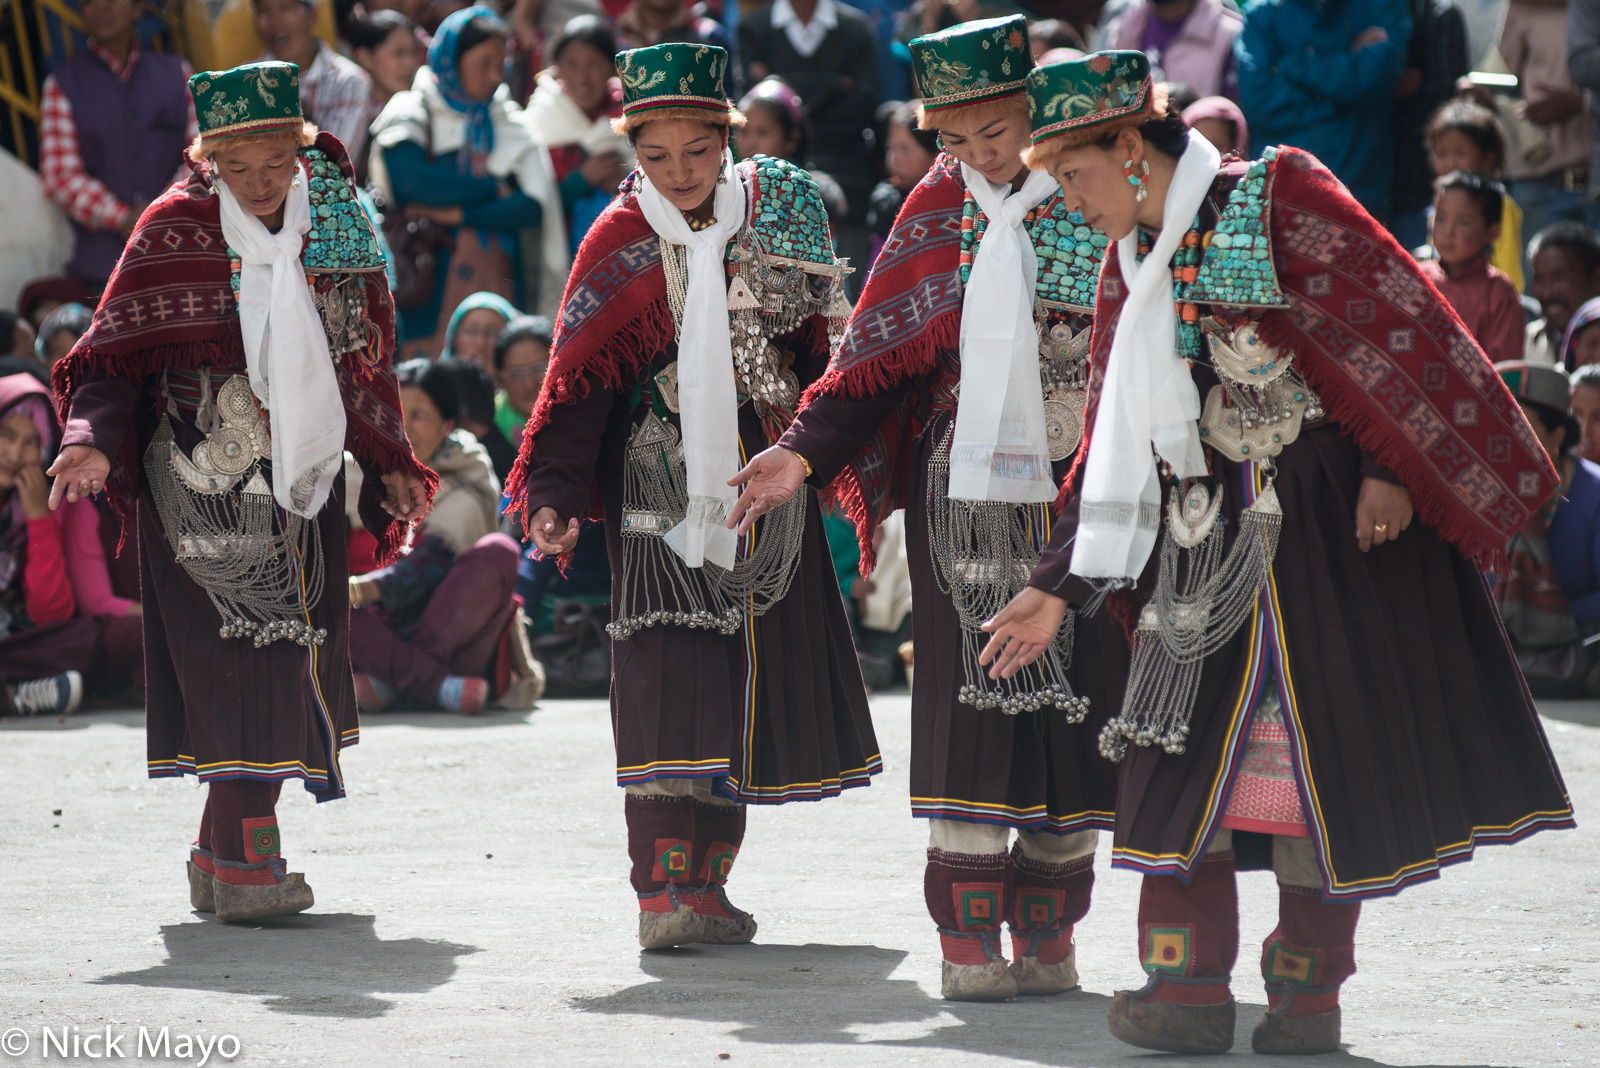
<point>984,552</point>
<point>657,586</point>
<point>768,297</point>
<point>261,567</point>
<point>1189,619</point>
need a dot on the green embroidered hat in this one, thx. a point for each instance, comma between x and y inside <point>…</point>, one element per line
<point>255,98</point>
<point>1091,98</point>
<point>673,76</point>
<point>972,62</point>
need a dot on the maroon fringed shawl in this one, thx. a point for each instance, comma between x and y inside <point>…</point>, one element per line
<point>1395,367</point>
<point>909,311</point>
<point>614,321</point>
<point>170,304</point>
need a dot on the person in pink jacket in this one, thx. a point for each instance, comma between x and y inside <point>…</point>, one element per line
<point>45,647</point>
<point>1187,41</point>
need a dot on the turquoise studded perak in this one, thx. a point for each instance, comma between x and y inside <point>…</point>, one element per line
<point>341,240</point>
<point>1067,250</point>
<point>790,220</point>
<point>1237,267</point>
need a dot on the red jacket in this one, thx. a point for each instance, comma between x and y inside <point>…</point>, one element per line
<point>1487,301</point>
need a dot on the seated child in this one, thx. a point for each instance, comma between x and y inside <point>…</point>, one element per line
<point>1464,136</point>
<point>1466,222</point>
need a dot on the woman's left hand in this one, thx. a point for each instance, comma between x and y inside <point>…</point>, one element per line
<point>405,496</point>
<point>450,216</point>
<point>1021,631</point>
<point>34,491</point>
<point>1382,511</point>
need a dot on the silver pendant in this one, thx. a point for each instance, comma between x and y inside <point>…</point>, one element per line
<point>1224,428</point>
<point>1242,356</point>
<point>232,448</point>
<point>1191,517</point>
<point>667,385</point>
<point>1063,422</point>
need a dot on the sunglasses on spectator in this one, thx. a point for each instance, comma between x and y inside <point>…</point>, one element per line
<point>522,374</point>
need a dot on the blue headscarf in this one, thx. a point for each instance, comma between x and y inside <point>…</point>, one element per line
<point>484,300</point>
<point>442,60</point>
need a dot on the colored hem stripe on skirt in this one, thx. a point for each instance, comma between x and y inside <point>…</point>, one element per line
<point>1032,819</point>
<point>1267,639</point>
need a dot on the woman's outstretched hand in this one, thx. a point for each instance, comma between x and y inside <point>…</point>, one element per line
<point>1021,631</point>
<point>551,535</point>
<point>404,497</point>
<point>773,477</point>
<point>80,471</point>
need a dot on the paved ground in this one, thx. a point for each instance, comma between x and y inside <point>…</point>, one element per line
<point>472,907</point>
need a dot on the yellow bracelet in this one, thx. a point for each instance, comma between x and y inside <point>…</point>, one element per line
<point>804,463</point>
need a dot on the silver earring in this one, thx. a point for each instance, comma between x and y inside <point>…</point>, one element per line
<point>722,176</point>
<point>1137,180</point>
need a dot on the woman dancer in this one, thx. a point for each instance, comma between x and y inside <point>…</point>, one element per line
<point>1320,683</point>
<point>244,343</point>
<point>701,303</point>
<point>957,395</point>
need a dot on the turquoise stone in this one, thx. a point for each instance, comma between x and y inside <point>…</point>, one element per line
<point>1236,268</point>
<point>342,236</point>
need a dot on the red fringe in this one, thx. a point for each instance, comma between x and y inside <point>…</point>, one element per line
<point>613,364</point>
<point>941,190</point>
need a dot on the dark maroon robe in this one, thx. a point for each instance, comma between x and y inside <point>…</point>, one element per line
<point>1034,770</point>
<point>774,713</point>
<point>220,708</point>
<point>1413,736</point>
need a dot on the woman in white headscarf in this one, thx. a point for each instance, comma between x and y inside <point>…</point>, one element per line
<point>243,343</point>
<point>698,308</point>
<point>457,151</point>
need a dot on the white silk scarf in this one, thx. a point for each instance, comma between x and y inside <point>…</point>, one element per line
<point>708,402</point>
<point>286,350</point>
<point>999,450</point>
<point>1148,399</point>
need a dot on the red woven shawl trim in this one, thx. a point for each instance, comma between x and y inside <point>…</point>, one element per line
<point>170,304</point>
<point>909,311</point>
<point>614,320</point>
<point>1394,365</point>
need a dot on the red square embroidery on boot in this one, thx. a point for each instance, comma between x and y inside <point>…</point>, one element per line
<point>672,860</point>
<point>718,863</point>
<point>1039,909</point>
<point>261,839</point>
<point>978,904</point>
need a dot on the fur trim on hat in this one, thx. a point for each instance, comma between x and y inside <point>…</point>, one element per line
<point>629,125</point>
<point>203,148</point>
<point>1011,104</point>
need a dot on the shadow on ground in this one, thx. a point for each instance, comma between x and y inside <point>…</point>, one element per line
<point>314,964</point>
<point>817,994</point>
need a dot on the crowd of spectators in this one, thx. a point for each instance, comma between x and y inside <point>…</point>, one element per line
<point>484,138</point>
